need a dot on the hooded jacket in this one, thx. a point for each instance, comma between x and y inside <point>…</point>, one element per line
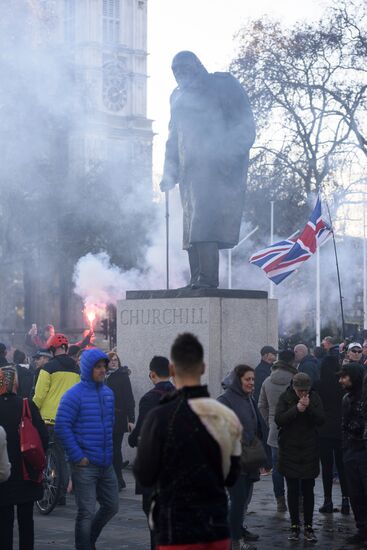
<point>54,379</point>
<point>244,406</point>
<point>85,417</point>
<point>271,390</point>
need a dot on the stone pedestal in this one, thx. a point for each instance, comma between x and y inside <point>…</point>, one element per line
<point>232,325</point>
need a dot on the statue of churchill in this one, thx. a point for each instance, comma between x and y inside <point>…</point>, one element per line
<point>211,132</point>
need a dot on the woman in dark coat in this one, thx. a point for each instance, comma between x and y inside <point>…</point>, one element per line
<point>331,451</point>
<point>16,491</point>
<point>298,415</point>
<point>238,397</point>
<point>118,379</point>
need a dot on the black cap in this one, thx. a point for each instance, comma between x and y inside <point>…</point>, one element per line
<point>268,349</point>
<point>74,349</point>
<point>42,353</point>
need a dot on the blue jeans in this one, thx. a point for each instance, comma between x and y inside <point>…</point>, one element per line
<point>239,498</point>
<point>91,484</point>
<point>278,479</point>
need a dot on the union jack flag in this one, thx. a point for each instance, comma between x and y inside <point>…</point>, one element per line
<point>280,259</point>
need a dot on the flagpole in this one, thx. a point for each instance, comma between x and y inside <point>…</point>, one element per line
<point>318,299</point>
<point>167,238</point>
<point>364,264</point>
<point>337,272</point>
<point>271,286</point>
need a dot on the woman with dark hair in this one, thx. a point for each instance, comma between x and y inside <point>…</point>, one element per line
<point>238,397</point>
<point>118,379</point>
<point>16,491</point>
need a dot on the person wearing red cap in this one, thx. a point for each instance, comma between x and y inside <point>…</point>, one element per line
<point>54,379</point>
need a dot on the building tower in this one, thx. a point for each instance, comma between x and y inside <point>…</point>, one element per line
<point>108,47</point>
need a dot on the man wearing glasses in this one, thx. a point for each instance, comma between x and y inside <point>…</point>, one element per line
<point>354,353</point>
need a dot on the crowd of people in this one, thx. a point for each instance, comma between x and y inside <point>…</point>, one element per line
<point>198,458</point>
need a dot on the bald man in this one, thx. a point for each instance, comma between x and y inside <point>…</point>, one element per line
<point>307,363</point>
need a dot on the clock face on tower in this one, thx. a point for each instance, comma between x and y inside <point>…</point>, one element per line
<point>114,86</point>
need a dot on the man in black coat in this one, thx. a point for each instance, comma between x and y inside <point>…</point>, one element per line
<point>160,377</point>
<point>118,379</point>
<point>307,363</point>
<point>210,135</point>
<point>354,434</point>
<point>263,369</point>
<point>189,449</point>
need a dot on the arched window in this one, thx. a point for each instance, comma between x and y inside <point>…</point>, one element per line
<point>111,21</point>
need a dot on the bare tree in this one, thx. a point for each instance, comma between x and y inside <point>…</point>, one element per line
<point>307,87</point>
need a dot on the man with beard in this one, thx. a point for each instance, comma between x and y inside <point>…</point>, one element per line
<point>210,134</point>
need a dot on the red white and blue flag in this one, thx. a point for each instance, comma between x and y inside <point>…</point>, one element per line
<point>280,259</point>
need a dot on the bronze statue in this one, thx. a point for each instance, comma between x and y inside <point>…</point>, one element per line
<point>210,134</point>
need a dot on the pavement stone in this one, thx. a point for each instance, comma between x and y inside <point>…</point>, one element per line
<point>128,529</point>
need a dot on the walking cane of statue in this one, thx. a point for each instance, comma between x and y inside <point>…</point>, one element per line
<point>167,239</point>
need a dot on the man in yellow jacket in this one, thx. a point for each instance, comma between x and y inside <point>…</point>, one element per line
<point>54,379</point>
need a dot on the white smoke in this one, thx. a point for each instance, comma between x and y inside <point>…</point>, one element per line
<point>99,282</point>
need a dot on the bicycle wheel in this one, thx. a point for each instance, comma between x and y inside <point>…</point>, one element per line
<point>51,482</point>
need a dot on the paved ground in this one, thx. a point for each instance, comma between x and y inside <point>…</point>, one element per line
<point>128,529</point>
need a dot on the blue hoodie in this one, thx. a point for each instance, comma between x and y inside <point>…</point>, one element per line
<point>85,416</point>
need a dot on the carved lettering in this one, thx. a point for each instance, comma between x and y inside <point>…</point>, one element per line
<point>125,317</point>
<point>157,317</point>
<point>168,316</point>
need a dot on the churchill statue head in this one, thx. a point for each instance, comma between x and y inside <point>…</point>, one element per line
<point>187,69</point>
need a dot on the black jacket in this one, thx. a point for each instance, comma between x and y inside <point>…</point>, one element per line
<point>331,394</point>
<point>25,381</point>
<point>149,400</point>
<point>16,490</point>
<point>262,371</point>
<point>298,435</point>
<point>178,455</point>
<point>119,382</point>
<point>354,411</point>
<point>310,365</point>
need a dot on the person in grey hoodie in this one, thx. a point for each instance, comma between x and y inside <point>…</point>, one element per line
<point>282,373</point>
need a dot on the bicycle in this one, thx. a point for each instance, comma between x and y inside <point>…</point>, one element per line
<point>52,481</point>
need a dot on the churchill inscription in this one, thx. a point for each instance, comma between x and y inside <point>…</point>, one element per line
<point>166,316</point>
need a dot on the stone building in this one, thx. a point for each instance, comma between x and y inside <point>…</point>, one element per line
<point>98,143</point>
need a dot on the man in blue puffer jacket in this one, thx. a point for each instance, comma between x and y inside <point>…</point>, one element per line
<point>84,424</point>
